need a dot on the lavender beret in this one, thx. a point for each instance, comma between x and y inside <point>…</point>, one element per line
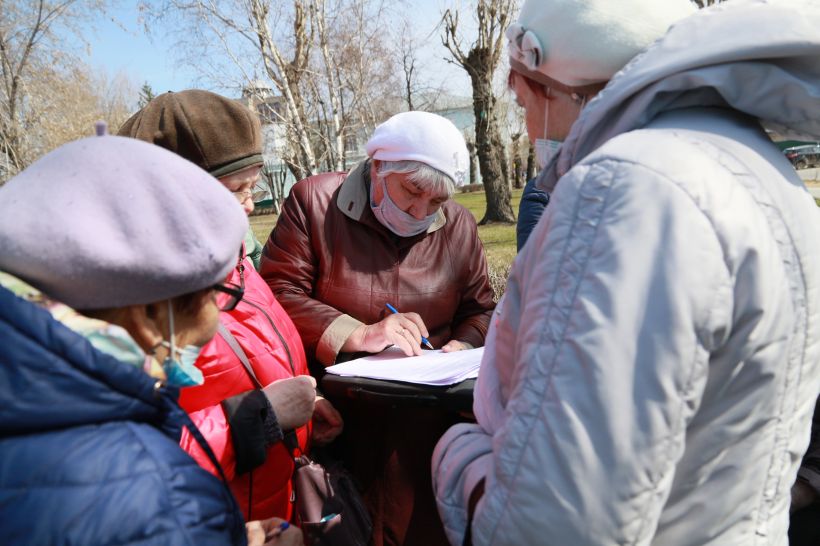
<point>110,221</point>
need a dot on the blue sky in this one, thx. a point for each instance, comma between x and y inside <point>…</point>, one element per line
<point>118,44</point>
<point>123,46</point>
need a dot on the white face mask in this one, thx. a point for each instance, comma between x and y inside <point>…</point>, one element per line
<point>546,149</point>
<point>393,218</point>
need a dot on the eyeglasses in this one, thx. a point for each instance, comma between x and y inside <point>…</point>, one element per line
<point>242,196</point>
<point>234,293</point>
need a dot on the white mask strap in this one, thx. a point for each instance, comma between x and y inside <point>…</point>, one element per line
<point>171,328</point>
<point>547,111</point>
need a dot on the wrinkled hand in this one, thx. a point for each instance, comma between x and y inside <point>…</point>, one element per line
<point>802,495</point>
<point>266,532</point>
<point>292,400</point>
<point>327,423</point>
<point>455,345</point>
<point>404,330</point>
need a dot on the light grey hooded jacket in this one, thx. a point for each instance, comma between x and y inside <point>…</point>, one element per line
<point>649,376</point>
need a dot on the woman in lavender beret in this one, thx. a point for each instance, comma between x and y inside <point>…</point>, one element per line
<point>95,335</point>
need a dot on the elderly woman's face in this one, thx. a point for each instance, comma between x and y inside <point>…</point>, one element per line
<point>408,196</point>
<point>241,184</point>
<point>563,110</point>
<point>195,323</point>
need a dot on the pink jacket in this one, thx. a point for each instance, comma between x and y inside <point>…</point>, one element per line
<point>274,349</point>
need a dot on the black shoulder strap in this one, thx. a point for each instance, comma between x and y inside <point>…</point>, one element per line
<point>238,351</point>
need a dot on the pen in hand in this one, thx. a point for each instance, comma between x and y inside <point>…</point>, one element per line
<point>423,339</point>
<point>282,527</point>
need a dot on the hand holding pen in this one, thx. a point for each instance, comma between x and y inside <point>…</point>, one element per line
<point>403,330</point>
<point>423,338</point>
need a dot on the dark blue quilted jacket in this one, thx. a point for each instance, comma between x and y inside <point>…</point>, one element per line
<point>88,447</point>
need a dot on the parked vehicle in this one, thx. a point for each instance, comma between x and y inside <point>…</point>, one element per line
<point>804,157</point>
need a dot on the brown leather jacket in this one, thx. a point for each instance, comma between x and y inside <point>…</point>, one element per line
<point>333,266</point>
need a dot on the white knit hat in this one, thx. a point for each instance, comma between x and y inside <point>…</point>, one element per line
<point>110,221</point>
<point>583,43</point>
<point>421,136</point>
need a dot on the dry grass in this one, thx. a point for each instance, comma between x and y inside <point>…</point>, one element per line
<point>262,225</point>
<point>499,272</point>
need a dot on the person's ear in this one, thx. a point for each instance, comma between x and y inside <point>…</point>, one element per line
<point>147,324</point>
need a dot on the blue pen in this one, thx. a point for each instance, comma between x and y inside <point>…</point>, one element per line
<point>281,528</point>
<point>423,339</point>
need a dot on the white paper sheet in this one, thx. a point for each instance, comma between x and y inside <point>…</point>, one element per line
<point>432,368</point>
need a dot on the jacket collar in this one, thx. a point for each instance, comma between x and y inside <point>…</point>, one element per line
<point>107,338</point>
<point>353,199</point>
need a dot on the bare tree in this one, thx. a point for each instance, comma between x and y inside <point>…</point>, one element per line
<point>480,61</point>
<point>47,95</point>
<point>515,128</point>
<point>407,54</point>
<point>273,179</point>
<point>530,161</point>
<point>367,78</point>
<point>28,43</point>
<point>517,165</point>
<point>286,76</point>
<point>471,152</point>
<point>322,57</point>
<point>64,104</point>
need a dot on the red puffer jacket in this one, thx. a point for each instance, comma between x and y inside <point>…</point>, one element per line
<point>274,349</point>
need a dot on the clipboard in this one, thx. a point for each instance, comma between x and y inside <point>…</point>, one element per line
<point>377,392</point>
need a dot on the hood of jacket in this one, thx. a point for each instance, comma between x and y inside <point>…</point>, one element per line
<point>52,377</point>
<point>721,57</point>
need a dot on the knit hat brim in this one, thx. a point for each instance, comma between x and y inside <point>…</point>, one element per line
<point>238,165</point>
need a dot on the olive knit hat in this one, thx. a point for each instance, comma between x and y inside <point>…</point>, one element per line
<point>218,134</point>
<point>108,222</point>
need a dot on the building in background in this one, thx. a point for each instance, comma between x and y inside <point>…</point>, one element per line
<point>277,178</point>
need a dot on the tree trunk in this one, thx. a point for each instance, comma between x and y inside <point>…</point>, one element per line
<point>530,162</point>
<point>295,167</point>
<point>491,158</point>
<point>517,171</point>
<point>335,138</point>
<point>473,172</point>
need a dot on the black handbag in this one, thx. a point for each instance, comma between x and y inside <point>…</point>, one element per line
<point>329,509</point>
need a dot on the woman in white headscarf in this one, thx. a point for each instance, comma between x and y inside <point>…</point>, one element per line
<point>387,232</point>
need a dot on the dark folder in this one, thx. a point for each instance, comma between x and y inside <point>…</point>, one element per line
<point>375,392</point>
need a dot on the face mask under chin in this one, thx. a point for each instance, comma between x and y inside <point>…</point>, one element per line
<point>545,148</point>
<point>393,218</point>
<point>180,364</point>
